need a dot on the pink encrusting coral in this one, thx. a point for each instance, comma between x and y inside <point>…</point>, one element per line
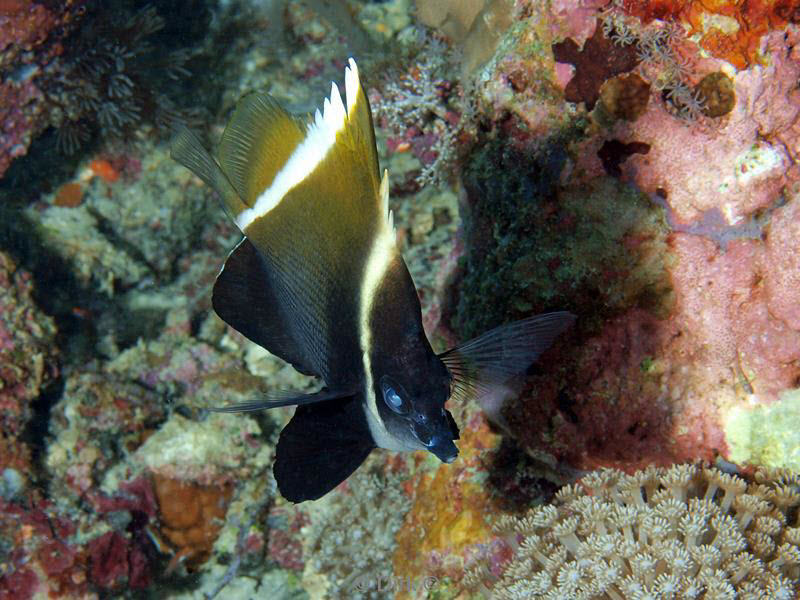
<point>781,262</point>
<point>23,25</point>
<point>753,151</point>
<point>25,32</point>
<point>714,152</point>
<point>729,328</point>
<point>730,193</point>
<point>19,113</point>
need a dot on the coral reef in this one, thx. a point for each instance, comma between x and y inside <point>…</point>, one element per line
<point>475,25</point>
<point>590,73</point>
<point>29,37</point>
<point>448,526</point>
<point>124,230</point>
<point>368,513</point>
<point>616,215</point>
<point>96,423</point>
<point>725,29</point>
<point>191,516</point>
<point>90,70</point>
<point>424,112</point>
<point>681,532</point>
<point>633,162</point>
<point>28,363</point>
<point>111,78</point>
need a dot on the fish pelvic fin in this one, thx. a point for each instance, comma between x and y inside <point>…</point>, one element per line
<point>279,398</point>
<point>321,446</point>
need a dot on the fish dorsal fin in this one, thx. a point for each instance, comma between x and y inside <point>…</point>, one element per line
<point>188,151</point>
<point>258,140</point>
<point>337,149</point>
<point>359,127</point>
<point>323,229</point>
<point>321,446</point>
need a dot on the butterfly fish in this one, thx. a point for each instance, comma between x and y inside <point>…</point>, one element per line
<point>319,281</point>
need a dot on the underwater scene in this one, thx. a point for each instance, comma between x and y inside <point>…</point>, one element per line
<point>400,299</point>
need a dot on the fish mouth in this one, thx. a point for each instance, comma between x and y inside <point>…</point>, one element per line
<point>444,449</point>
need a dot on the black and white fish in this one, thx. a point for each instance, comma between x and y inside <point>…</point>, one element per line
<point>318,280</point>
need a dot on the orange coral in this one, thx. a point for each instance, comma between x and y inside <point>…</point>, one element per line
<point>69,195</point>
<point>449,511</point>
<point>739,41</point>
<point>191,516</point>
<point>104,169</point>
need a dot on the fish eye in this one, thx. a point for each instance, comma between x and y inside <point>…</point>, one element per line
<point>393,396</point>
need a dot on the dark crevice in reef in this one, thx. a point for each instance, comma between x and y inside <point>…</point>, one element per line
<point>534,244</point>
<point>509,197</point>
<point>164,48</point>
<point>40,171</point>
<point>37,429</point>
<point>124,68</point>
<point>515,479</point>
<point>81,312</point>
<point>56,291</point>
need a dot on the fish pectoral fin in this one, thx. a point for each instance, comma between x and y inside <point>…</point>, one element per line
<point>490,360</point>
<point>321,446</point>
<point>279,398</point>
<point>244,298</point>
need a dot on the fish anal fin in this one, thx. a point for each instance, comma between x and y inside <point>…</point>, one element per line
<point>245,300</point>
<point>321,446</point>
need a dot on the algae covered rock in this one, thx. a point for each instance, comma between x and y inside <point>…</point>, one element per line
<point>28,360</point>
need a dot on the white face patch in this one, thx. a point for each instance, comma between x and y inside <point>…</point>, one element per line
<point>375,270</point>
<point>320,138</point>
<point>380,256</point>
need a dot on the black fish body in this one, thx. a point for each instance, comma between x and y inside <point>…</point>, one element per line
<point>319,281</point>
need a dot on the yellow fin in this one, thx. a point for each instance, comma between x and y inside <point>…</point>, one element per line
<point>359,120</point>
<point>258,141</point>
<point>335,164</point>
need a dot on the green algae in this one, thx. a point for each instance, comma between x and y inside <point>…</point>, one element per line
<point>597,247</point>
<point>766,435</point>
